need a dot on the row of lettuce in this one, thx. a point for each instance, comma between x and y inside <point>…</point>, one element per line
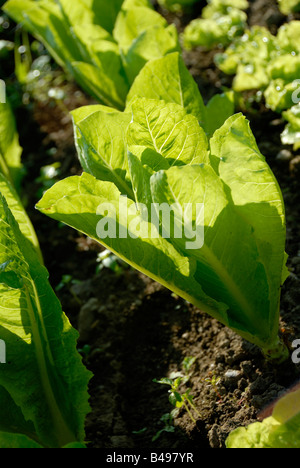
<point>157,142</point>
<point>259,61</point>
<point>285,6</point>
<point>104,53</point>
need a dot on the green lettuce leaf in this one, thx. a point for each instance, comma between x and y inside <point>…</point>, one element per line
<point>43,385</point>
<point>220,23</point>
<point>156,257</point>
<point>143,35</point>
<point>256,196</point>
<point>284,73</point>
<point>10,150</point>
<point>12,198</point>
<point>219,108</point>
<point>104,157</point>
<point>289,6</point>
<point>131,23</point>
<point>169,80</point>
<point>169,131</point>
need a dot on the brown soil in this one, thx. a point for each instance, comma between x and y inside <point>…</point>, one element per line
<point>136,329</point>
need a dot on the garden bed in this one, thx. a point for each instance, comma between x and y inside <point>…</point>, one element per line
<point>132,330</point>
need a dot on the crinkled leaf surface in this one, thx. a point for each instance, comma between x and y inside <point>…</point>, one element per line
<point>168,79</point>
<point>168,130</point>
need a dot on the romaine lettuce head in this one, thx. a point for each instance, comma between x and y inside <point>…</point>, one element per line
<point>157,155</point>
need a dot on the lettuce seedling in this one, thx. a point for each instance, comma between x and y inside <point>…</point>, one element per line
<point>280,430</point>
<point>158,155</point>
<point>103,44</point>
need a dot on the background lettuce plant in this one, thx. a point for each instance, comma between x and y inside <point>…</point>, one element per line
<point>221,21</point>
<point>280,430</point>
<point>11,173</point>
<point>156,152</point>
<point>102,44</point>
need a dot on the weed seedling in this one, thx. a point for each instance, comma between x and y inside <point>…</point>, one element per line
<point>213,381</point>
<point>167,419</point>
<point>178,398</point>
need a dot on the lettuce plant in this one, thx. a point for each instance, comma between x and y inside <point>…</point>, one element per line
<point>10,150</point>
<point>289,6</point>
<point>248,58</point>
<point>270,64</point>
<point>260,60</point>
<point>43,383</point>
<point>280,430</point>
<point>220,23</point>
<point>102,44</point>
<point>156,154</point>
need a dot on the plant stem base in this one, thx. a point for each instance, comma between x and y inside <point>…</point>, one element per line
<point>277,353</point>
